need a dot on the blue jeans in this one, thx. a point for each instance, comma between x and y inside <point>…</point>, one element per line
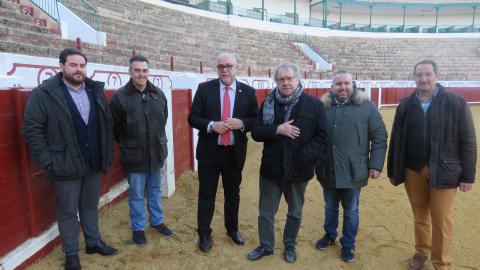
<point>138,183</point>
<point>350,200</point>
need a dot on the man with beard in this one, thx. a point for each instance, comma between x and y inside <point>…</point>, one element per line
<point>291,125</point>
<point>357,142</point>
<point>140,114</point>
<point>222,111</point>
<point>67,126</point>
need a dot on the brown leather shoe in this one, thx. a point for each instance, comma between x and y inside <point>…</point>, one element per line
<point>417,262</point>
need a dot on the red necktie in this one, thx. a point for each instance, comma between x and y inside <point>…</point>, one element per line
<point>225,137</point>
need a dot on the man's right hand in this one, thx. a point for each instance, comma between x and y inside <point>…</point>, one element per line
<point>220,127</point>
<point>288,130</point>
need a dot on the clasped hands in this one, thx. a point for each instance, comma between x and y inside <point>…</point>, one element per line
<point>227,125</point>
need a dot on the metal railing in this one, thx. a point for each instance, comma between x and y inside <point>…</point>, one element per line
<point>50,7</point>
<point>84,10</point>
<point>226,7</point>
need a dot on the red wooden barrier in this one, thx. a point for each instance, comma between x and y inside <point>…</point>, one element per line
<point>15,215</point>
<point>182,139</point>
<point>27,200</point>
<point>261,95</point>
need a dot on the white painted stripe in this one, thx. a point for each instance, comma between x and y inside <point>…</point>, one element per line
<point>26,250</point>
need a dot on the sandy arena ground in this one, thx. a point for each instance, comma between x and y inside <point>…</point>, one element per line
<point>385,238</point>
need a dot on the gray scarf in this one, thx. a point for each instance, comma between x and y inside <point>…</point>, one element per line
<point>289,102</point>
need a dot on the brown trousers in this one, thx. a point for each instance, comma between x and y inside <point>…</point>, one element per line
<point>433,217</point>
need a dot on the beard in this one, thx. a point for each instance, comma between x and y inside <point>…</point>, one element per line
<point>74,79</point>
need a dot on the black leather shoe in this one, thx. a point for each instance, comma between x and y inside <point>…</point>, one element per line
<point>258,253</point>
<point>72,262</point>
<point>290,255</point>
<point>237,237</point>
<point>102,249</point>
<point>205,244</point>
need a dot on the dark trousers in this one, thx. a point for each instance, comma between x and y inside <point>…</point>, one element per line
<point>82,193</point>
<point>270,194</point>
<point>208,178</point>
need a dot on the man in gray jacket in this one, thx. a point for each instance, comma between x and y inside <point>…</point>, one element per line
<point>140,114</point>
<point>67,126</point>
<point>355,151</point>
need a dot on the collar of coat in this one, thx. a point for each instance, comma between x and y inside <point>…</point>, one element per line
<point>358,97</point>
<point>132,89</point>
<point>57,81</point>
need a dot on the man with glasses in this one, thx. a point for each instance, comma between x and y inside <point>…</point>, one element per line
<point>222,111</point>
<point>291,125</point>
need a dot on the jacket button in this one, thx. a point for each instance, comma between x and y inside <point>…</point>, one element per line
<point>334,147</point>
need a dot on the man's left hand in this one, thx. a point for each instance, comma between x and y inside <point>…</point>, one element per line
<point>374,174</point>
<point>233,123</point>
<point>465,186</point>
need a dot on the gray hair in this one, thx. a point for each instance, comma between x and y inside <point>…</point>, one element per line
<point>426,61</point>
<point>287,65</point>
<point>224,54</point>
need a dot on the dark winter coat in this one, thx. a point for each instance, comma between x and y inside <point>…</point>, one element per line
<point>292,160</point>
<point>139,127</point>
<point>49,130</point>
<point>452,140</point>
<point>357,142</point>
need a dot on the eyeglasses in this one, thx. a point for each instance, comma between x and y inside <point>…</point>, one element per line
<point>287,79</point>
<point>227,67</point>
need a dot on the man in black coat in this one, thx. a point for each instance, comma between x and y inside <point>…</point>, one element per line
<point>433,151</point>
<point>291,125</point>
<point>140,112</point>
<point>68,129</point>
<point>222,111</point>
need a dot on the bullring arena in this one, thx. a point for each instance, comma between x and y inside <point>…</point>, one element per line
<point>181,42</point>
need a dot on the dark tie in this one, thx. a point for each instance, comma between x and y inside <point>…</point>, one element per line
<point>225,137</point>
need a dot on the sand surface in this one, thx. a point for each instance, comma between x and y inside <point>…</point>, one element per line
<point>384,241</point>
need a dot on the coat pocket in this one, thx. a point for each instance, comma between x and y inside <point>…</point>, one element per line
<point>62,164</point>
<point>360,134</point>
<point>449,171</point>
<point>359,169</point>
<point>163,148</point>
<point>129,152</point>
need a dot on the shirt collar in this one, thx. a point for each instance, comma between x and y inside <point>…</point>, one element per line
<point>232,86</point>
<point>70,88</point>
<point>430,99</point>
<point>342,103</point>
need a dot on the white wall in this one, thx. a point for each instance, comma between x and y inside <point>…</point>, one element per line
<point>73,26</point>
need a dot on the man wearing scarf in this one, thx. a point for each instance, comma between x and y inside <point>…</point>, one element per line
<point>291,125</point>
